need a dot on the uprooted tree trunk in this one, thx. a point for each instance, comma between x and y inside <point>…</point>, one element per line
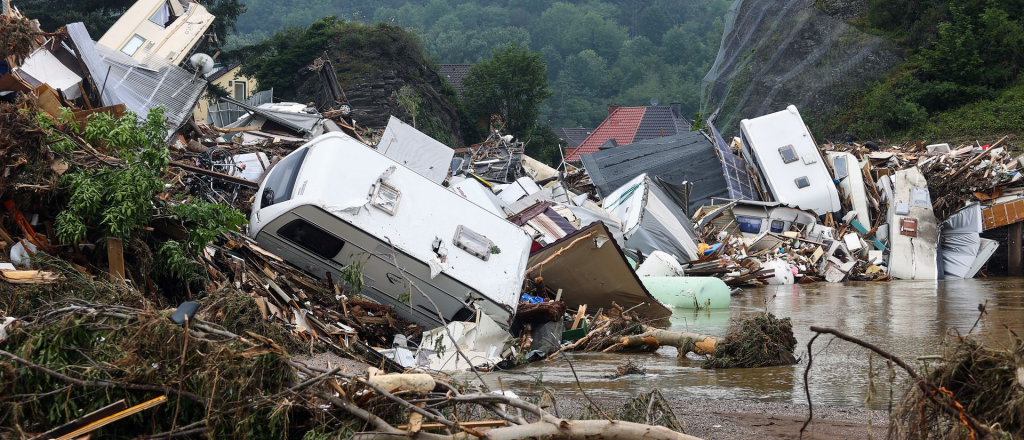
<point>652,338</point>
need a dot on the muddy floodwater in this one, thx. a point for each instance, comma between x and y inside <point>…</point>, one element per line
<point>908,318</point>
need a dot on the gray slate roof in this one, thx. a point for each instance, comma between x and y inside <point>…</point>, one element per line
<point>572,137</point>
<point>689,156</point>
<point>454,74</point>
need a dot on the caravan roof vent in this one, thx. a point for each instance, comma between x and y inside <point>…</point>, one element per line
<point>788,154</point>
<point>386,197</point>
<point>474,243</point>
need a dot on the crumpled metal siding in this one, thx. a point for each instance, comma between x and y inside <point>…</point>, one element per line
<point>140,86</point>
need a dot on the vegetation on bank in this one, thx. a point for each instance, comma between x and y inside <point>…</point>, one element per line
<point>962,78</point>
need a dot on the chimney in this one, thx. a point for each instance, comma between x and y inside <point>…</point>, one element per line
<point>677,109</point>
<point>612,108</point>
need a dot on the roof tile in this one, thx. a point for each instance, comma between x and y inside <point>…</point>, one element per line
<point>620,125</point>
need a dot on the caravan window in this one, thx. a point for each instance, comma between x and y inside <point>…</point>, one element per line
<point>802,182</point>
<point>163,15</point>
<point>788,154</point>
<point>750,225</point>
<point>839,163</point>
<point>133,45</point>
<point>311,238</point>
<point>778,226</point>
<point>281,179</point>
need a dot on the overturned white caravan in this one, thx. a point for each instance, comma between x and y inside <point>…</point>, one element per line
<point>782,151</point>
<point>335,202</point>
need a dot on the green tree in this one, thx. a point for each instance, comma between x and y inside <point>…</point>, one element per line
<point>511,84</point>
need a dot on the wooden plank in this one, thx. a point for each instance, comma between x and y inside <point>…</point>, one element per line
<point>115,259</point>
<point>28,276</point>
<point>85,420</point>
<point>48,100</point>
<point>6,237</point>
<point>579,315</point>
<point>113,418</point>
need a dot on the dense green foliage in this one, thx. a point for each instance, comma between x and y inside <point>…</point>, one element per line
<point>511,84</point>
<point>597,53</point>
<point>118,200</point>
<point>962,75</point>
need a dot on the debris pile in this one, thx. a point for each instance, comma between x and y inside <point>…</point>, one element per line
<point>274,228</point>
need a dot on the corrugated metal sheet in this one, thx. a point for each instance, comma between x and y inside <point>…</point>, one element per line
<point>686,157</point>
<point>140,86</point>
<point>221,113</point>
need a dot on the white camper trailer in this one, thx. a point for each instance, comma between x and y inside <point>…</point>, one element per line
<point>913,229</point>
<point>335,202</point>
<point>780,147</point>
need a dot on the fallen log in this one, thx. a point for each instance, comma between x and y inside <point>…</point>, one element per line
<point>653,338</point>
<point>551,428</point>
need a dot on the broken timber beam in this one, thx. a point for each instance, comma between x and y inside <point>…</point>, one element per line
<point>221,176</point>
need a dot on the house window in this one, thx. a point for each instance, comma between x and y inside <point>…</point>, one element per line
<point>311,238</point>
<point>239,90</point>
<point>386,197</point>
<point>788,154</point>
<point>163,15</point>
<point>474,243</point>
<point>133,45</point>
<point>839,163</point>
<point>778,226</point>
<point>802,182</point>
<point>749,225</point>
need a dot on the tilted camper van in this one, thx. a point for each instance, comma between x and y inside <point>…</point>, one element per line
<point>780,147</point>
<point>335,202</point>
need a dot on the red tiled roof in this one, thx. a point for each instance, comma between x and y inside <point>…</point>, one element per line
<point>620,125</point>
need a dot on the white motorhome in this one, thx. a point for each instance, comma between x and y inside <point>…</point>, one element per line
<point>782,151</point>
<point>335,202</point>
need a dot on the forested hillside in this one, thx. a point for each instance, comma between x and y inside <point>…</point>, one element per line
<point>962,77</point>
<point>597,53</point>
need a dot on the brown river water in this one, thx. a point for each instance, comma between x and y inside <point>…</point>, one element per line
<point>907,318</point>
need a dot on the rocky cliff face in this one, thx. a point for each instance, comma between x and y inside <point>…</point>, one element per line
<point>372,63</point>
<point>801,52</point>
